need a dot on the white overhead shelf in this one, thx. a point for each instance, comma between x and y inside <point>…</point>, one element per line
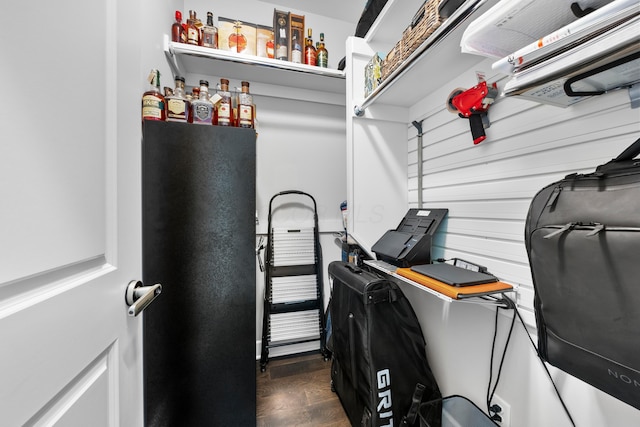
<point>189,59</point>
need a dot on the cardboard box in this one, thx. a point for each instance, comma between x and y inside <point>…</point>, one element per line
<point>264,42</point>
<point>237,36</point>
<point>246,38</point>
<point>281,34</point>
<point>296,39</point>
<point>226,28</point>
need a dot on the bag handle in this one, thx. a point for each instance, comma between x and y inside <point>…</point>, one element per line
<point>630,153</point>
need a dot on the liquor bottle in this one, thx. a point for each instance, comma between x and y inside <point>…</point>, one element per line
<point>224,109</point>
<point>270,49</point>
<point>178,106</point>
<point>245,107</point>
<point>153,102</point>
<point>322,56</point>
<point>309,50</point>
<point>210,33</point>
<point>296,51</point>
<point>202,108</point>
<point>193,32</point>
<point>177,30</point>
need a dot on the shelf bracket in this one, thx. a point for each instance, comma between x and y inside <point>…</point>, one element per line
<point>634,95</point>
<point>418,126</point>
<point>171,57</point>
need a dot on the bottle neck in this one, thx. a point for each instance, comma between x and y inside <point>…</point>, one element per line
<point>204,92</point>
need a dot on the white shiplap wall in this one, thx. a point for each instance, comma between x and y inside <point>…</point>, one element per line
<point>488,187</point>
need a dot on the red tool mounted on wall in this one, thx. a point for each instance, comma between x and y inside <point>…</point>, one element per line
<point>473,104</point>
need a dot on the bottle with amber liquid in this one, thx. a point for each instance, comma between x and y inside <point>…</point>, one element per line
<point>210,33</point>
<point>245,107</point>
<point>178,106</point>
<point>153,101</point>
<point>309,50</point>
<point>322,56</point>
<point>193,32</point>
<point>177,30</point>
<point>224,108</point>
<point>202,108</point>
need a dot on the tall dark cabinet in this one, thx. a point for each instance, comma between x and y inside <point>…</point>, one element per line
<point>198,193</point>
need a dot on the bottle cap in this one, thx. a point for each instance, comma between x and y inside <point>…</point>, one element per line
<point>204,83</point>
<point>178,15</point>
<point>245,84</point>
<point>179,78</point>
<point>224,81</point>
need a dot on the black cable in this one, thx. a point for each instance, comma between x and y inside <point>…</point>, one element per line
<point>544,365</point>
<point>509,305</point>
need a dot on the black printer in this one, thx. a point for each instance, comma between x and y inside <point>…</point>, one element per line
<point>410,243</point>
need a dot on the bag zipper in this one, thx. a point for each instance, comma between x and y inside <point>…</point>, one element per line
<point>595,228</point>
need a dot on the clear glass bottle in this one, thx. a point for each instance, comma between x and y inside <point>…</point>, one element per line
<point>202,108</point>
<point>153,101</point>
<point>193,32</point>
<point>309,50</point>
<point>210,33</point>
<point>245,107</point>
<point>178,106</point>
<point>296,51</point>
<point>177,30</point>
<point>224,108</point>
<point>322,56</point>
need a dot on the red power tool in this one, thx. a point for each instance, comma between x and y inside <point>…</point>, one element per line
<point>473,104</point>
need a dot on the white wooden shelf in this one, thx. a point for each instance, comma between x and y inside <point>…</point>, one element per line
<point>184,59</point>
<point>432,64</point>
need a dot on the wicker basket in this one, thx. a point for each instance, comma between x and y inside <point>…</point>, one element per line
<point>424,23</point>
<point>393,59</point>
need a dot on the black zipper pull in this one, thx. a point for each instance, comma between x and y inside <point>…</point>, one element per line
<point>553,197</point>
<point>597,227</point>
<point>566,227</point>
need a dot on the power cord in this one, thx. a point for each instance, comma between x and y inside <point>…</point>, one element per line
<point>493,409</point>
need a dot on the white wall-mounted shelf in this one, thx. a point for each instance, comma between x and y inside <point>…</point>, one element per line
<point>184,59</point>
<point>432,64</point>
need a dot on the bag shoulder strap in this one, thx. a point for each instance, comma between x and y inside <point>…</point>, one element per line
<point>630,152</point>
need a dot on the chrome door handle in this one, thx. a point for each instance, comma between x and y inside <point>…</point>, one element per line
<point>138,297</point>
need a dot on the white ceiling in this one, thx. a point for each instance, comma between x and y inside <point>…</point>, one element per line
<point>343,10</point>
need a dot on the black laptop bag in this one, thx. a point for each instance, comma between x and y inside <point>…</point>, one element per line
<point>582,236</point>
<point>379,364</point>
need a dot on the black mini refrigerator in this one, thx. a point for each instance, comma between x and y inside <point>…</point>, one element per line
<point>198,233</point>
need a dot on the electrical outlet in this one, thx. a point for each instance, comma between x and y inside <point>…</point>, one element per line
<point>505,411</point>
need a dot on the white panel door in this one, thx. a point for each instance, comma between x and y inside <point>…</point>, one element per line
<point>69,215</point>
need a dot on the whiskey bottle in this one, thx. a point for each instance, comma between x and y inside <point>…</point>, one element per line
<point>193,32</point>
<point>245,107</point>
<point>309,50</point>
<point>153,102</point>
<point>202,108</point>
<point>224,109</point>
<point>210,33</point>
<point>177,30</point>
<point>322,56</point>
<point>178,106</point>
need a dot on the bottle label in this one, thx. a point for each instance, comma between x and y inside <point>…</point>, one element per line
<point>192,35</point>
<point>296,56</point>
<point>202,114</point>
<point>322,60</point>
<point>224,113</point>
<point>246,115</point>
<point>176,110</point>
<point>281,52</point>
<point>152,107</point>
<point>310,57</point>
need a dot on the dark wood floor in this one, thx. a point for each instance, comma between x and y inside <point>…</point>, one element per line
<point>296,391</point>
